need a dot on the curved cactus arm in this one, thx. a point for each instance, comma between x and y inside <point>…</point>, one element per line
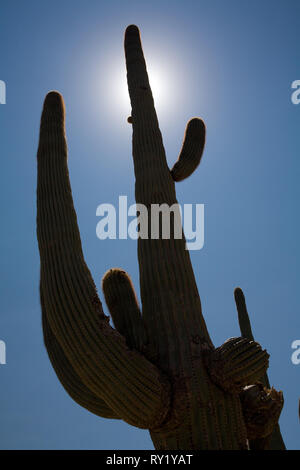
<point>122,303</point>
<point>131,386</point>
<point>69,379</point>
<point>238,362</point>
<point>191,150</point>
<point>275,441</point>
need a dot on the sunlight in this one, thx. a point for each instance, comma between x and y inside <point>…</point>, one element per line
<point>163,88</point>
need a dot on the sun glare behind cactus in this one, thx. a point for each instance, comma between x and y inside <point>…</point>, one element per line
<point>163,89</point>
<point>159,89</point>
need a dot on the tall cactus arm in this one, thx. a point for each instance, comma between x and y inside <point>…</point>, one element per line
<point>173,314</point>
<point>123,306</point>
<point>130,385</point>
<point>191,150</point>
<point>69,379</point>
<point>170,300</point>
<point>275,440</point>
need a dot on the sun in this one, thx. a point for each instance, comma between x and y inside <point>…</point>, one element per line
<point>115,90</point>
<point>157,83</point>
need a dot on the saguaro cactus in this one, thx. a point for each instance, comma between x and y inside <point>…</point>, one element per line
<point>157,369</point>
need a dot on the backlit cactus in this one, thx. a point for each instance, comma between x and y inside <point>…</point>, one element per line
<point>158,368</point>
<point>274,440</point>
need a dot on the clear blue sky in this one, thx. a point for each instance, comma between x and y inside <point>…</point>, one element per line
<point>231,63</point>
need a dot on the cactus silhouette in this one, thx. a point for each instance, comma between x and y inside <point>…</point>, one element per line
<point>158,368</point>
<point>274,439</point>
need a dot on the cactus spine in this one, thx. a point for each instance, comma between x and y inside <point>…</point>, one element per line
<point>158,368</point>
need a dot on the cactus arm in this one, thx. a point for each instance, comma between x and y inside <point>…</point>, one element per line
<point>237,363</point>
<point>244,321</point>
<point>191,150</point>
<point>170,300</point>
<point>122,303</point>
<point>69,379</point>
<point>130,385</point>
<point>275,440</point>
<point>173,313</point>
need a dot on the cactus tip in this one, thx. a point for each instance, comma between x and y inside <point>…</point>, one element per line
<point>54,101</point>
<point>114,273</point>
<point>132,29</point>
<point>196,125</point>
<point>238,294</point>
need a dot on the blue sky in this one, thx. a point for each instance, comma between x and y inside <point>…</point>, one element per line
<point>231,63</point>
